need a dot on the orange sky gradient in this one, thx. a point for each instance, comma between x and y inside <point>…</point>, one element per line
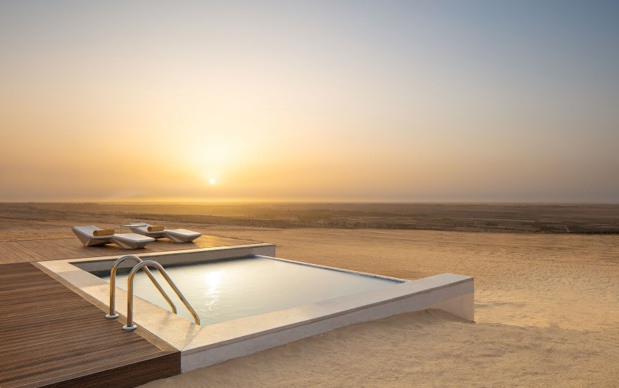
<point>311,101</point>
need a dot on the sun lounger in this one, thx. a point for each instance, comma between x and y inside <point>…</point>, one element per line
<point>176,235</point>
<point>91,236</point>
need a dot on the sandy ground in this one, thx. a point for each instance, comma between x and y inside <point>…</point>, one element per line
<point>547,308</point>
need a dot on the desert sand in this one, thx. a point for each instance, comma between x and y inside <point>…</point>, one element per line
<point>546,305</point>
<point>546,314</point>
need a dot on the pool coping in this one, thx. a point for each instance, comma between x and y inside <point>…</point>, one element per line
<point>202,346</point>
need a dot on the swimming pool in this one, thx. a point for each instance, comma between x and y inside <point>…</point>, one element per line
<point>213,343</point>
<point>226,290</point>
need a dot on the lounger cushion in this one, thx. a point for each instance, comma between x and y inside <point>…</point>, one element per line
<point>103,232</point>
<point>156,228</point>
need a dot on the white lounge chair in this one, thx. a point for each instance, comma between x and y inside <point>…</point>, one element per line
<point>91,236</point>
<point>176,235</point>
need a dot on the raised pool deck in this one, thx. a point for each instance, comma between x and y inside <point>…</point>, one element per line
<point>20,251</point>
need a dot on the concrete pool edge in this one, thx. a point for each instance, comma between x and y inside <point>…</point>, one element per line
<point>202,346</point>
<point>221,342</point>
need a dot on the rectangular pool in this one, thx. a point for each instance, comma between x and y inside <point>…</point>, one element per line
<point>226,290</point>
<point>275,301</point>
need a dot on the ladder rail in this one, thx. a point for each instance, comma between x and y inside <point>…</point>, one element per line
<point>144,265</point>
<point>112,314</point>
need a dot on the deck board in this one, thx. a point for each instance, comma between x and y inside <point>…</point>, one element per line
<point>51,336</point>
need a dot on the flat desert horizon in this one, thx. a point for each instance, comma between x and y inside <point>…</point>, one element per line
<point>546,294</point>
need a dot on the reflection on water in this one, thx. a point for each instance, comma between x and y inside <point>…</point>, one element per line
<point>228,290</point>
<point>210,287</point>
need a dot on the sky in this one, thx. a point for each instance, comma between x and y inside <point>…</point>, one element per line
<point>439,101</point>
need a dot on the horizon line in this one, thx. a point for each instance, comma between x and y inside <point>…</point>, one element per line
<point>306,201</point>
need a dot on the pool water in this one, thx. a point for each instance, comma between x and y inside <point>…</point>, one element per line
<point>227,290</point>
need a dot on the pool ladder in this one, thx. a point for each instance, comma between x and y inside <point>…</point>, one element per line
<point>143,264</point>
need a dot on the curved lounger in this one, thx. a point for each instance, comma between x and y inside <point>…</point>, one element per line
<point>176,235</point>
<point>91,236</point>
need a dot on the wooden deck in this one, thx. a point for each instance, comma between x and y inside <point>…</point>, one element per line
<point>70,248</point>
<point>51,336</point>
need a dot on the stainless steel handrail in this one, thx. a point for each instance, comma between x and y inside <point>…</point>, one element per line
<point>135,258</point>
<point>136,268</point>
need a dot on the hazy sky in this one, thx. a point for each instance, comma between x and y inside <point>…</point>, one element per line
<point>310,100</point>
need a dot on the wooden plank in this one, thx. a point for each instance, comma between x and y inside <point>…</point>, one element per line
<point>123,376</point>
<point>50,335</point>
